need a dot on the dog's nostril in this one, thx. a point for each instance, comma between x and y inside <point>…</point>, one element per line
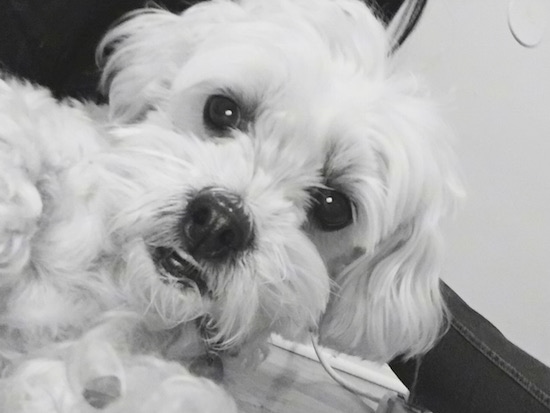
<point>201,216</point>
<point>215,226</point>
<point>228,237</point>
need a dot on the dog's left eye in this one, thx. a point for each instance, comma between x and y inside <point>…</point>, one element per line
<point>332,210</point>
<point>221,113</point>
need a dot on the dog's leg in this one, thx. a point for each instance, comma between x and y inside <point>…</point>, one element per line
<point>20,209</point>
<point>20,201</point>
<point>39,139</point>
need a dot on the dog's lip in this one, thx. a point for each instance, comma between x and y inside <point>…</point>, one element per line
<point>185,271</point>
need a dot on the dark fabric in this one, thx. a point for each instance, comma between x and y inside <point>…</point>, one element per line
<point>53,42</point>
<point>386,9</point>
<point>475,369</point>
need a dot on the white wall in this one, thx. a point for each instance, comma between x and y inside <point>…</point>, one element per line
<point>498,98</point>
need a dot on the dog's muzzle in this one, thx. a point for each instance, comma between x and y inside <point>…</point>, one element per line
<point>215,227</point>
<point>213,230</point>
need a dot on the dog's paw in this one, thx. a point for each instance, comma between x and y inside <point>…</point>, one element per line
<point>121,383</point>
<point>20,210</point>
<point>158,386</point>
<point>132,384</point>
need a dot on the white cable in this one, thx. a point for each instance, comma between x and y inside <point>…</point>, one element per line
<point>339,379</point>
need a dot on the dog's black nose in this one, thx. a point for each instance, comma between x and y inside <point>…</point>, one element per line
<point>215,225</point>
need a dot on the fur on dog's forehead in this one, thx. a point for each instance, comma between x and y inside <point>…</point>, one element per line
<point>259,47</point>
<point>345,27</point>
<point>287,64</point>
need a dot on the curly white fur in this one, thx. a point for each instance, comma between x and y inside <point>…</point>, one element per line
<point>85,203</point>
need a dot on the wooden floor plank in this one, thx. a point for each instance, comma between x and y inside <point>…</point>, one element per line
<point>290,383</point>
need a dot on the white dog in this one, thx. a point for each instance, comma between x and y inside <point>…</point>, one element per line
<point>268,170</point>
<point>306,93</point>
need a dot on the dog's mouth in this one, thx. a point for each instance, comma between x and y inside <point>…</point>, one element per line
<point>173,267</point>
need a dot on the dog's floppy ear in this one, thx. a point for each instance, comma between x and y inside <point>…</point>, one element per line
<point>140,57</point>
<point>387,301</point>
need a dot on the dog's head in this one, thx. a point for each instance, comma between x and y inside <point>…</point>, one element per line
<point>312,165</point>
<point>213,230</point>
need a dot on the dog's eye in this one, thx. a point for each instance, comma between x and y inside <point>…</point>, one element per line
<point>221,113</point>
<point>332,210</point>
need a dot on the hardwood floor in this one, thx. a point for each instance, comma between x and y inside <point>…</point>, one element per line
<point>290,383</point>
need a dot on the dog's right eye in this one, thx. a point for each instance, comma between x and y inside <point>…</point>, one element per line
<point>332,210</point>
<point>222,113</point>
